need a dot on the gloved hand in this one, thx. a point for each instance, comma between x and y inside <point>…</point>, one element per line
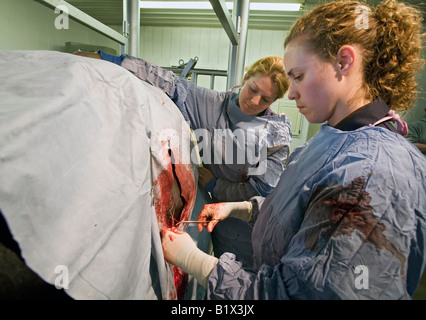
<point>180,250</point>
<point>213,213</point>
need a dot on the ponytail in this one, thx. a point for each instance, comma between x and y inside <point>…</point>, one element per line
<point>391,44</point>
<point>397,56</point>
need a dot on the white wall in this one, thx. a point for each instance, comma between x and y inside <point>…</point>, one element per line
<point>29,25</point>
<point>165,46</point>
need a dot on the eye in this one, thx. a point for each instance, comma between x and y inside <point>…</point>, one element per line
<point>298,77</point>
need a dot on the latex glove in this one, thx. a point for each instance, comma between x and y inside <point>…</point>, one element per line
<point>180,250</point>
<point>215,212</point>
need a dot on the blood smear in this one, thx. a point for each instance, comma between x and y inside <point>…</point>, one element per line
<point>166,217</point>
<point>181,281</point>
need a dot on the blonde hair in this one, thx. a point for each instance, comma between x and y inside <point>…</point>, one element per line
<point>272,67</point>
<point>390,40</point>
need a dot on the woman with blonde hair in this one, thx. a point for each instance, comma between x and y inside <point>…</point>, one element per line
<point>219,119</point>
<point>348,217</point>
<point>244,145</point>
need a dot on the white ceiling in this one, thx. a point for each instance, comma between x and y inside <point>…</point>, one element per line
<point>110,12</point>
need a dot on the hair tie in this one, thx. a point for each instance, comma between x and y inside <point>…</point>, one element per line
<point>401,125</point>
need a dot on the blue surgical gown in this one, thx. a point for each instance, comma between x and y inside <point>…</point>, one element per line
<point>347,220</point>
<point>246,154</point>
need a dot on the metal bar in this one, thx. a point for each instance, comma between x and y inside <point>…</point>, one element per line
<point>132,12</point>
<point>86,20</point>
<point>212,81</point>
<point>231,66</point>
<point>243,28</point>
<point>233,49</point>
<point>222,13</point>
<point>200,71</point>
<point>122,49</point>
<point>189,65</point>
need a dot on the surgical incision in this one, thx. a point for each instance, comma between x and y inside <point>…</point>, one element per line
<point>174,193</point>
<point>174,197</point>
<point>177,202</point>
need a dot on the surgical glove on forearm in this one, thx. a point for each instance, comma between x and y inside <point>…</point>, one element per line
<point>215,212</point>
<point>241,210</point>
<point>180,250</point>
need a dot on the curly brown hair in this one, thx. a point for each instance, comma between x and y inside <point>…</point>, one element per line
<point>390,38</point>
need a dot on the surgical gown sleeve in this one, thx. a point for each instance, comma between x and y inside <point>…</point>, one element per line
<point>151,73</point>
<point>201,107</point>
<point>275,164</point>
<point>225,190</point>
<point>357,240</point>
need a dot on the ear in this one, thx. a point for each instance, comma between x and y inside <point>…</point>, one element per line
<point>244,79</point>
<point>346,59</point>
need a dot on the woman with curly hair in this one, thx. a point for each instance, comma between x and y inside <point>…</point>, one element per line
<point>348,217</point>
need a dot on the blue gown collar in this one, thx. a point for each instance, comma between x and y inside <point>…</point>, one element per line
<point>368,114</point>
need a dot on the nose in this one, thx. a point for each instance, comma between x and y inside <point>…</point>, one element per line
<point>256,100</point>
<point>293,94</point>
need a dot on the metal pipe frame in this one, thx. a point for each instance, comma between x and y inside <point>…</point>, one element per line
<point>237,53</point>
<point>196,72</point>
<point>233,49</point>
<point>85,19</point>
<point>242,43</point>
<point>225,19</point>
<point>131,17</point>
